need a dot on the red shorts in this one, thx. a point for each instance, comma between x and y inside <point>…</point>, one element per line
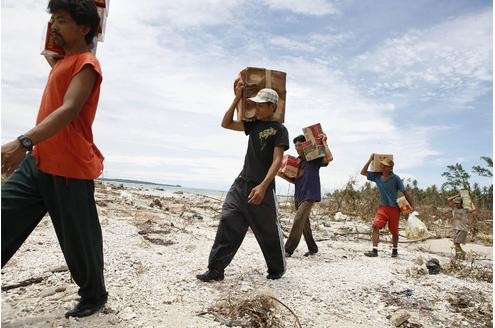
<point>388,214</point>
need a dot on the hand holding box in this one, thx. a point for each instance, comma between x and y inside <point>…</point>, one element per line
<point>290,166</point>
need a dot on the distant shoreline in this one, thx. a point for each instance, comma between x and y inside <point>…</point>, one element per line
<point>139,182</point>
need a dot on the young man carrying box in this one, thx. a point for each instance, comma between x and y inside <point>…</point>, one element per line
<point>57,177</point>
<point>307,192</point>
<point>251,202</point>
<point>388,184</point>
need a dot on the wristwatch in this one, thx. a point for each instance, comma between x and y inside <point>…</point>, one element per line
<point>25,142</point>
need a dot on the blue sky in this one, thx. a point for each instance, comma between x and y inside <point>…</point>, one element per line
<point>412,78</point>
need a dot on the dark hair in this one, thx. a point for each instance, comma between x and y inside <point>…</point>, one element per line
<point>83,12</point>
<point>299,138</point>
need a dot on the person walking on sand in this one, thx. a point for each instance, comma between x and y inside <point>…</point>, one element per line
<point>307,192</point>
<point>459,224</point>
<point>251,202</point>
<point>52,166</point>
<point>388,184</point>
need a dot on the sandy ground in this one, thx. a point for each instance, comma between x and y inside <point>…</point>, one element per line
<point>152,254</point>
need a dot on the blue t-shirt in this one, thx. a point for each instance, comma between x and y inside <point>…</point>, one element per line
<point>388,189</point>
<point>308,185</point>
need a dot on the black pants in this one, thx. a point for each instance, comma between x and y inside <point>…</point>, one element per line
<point>237,217</point>
<point>29,194</point>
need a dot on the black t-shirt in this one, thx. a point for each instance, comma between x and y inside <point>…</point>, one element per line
<point>264,136</point>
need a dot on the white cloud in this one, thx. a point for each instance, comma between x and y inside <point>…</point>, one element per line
<point>314,7</point>
<point>451,61</point>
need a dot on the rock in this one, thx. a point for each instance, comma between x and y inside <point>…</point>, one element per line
<point>49,292</point>
<point>433,266</point>
<point>59,268</point>
<point>340,217</point>
<point>156,203</point>
<point>127,314</point>
<point>419,261</point>
<point>399,317</point>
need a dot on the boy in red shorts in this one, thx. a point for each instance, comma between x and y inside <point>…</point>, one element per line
<point>388,185</point>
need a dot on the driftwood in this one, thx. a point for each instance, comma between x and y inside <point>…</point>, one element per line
<point>298,324</point>
<point>23,283</point>
<point>248,312</point>
<point>381,233</point>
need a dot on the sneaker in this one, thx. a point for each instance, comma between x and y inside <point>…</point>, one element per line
<point>394,252</point>
<point>274,276</point>
<point>87,306</point>
<point>372,253</point>
<point>310,253</point>
<point>210,275</point>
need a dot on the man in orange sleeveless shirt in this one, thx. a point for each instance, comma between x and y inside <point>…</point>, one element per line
<point>56,176</point>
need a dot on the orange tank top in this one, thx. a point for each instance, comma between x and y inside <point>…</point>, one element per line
<point>70,152</point>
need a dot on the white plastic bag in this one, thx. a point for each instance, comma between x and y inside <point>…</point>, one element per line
<point>415,228</point>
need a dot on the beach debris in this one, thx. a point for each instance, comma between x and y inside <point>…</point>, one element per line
<point>59,268</point>
<point>473,270</point>
<point>399,317</point>
<point>156,203</point>
<point>415,228</point>
<point>405,292</point>
<point>433,266</point>
<point>257,310</point>
<point>420,260</point>
<point>23,283</point>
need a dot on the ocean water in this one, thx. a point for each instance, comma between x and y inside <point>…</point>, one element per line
<point>207,192</point>
<point>220,194</point>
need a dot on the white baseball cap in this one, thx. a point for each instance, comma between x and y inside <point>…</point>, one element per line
<point>265,95</point>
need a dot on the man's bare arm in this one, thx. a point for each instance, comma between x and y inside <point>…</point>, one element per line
<point>76,96</point>
<point>364,170</point>
<point>228,118</point>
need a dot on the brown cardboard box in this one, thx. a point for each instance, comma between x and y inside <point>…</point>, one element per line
<point>290,166</point>
<point>466,200</point>
<point>254,80</point>
<point>375,165</point>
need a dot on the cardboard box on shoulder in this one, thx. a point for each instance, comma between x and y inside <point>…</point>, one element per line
<point>254,80</point>
<point>466,200</point>
<point>48,45</point>
<point>313,149</point>
<point>50,48</point>
<point>312,132</point>
<point>375,165</point>
<point>404,205</point>
<point>290,166</point>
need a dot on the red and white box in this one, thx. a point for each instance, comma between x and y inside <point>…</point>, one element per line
<point>313,149</point>
<point>404,205</point>
<point>290,166</point>
<point>313,132</point>
<point>50,48</point>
